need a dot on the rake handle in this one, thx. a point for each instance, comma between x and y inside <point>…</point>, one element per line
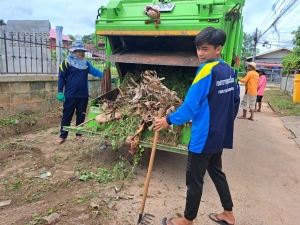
<point>85,122</point>
<point>153,151</point>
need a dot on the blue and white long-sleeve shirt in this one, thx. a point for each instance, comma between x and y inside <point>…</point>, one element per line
<point>73,81</point>
<point>212,104</point>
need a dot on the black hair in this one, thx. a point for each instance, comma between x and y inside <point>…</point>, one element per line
<point>212,36</point>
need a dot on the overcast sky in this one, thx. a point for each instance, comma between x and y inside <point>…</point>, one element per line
<point>78,17</point>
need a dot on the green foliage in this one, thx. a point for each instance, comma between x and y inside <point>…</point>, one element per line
<point>120,172</point>
<point>88,39</point>
<point>104,176</point>
<point>296,39</point>
<point>53,55</point>
<point>87,175</point>
<point>17,185</point>
<point>291,62</point>
<point>117,131</point>
<point>37,220</point>
<point>72,37</point>
<point>2,22</point>
<point>18,118</point>
<point>247,49</point>
<point>282,102</point>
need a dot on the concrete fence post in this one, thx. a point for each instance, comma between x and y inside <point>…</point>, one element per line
<point>1,50</point>
<point>59,46</point>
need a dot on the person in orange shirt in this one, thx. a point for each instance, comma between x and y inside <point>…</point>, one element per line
<point>249,100</point>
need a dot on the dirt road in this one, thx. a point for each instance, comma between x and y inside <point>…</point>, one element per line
<point>263,171</point>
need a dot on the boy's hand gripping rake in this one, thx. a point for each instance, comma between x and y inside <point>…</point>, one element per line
<point>143,220</point>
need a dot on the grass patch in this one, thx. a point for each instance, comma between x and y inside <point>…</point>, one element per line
<point>18,118</point>
<point>282,102</point>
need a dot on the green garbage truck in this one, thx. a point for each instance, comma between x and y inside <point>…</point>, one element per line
<point>159,35</point>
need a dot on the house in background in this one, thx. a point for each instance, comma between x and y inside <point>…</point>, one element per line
<point>52,41</point>
<point>271,62</point>
<point>94,53</point>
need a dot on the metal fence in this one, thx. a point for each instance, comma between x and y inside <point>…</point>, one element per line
<point>272,75</point>
<point>23,53</point>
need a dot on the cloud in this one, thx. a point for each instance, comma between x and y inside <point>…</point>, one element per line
<point>78,16</point>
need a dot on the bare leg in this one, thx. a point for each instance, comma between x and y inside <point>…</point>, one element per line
<point>244,115</point>
<point>259,107</point>
<point>252,115</point>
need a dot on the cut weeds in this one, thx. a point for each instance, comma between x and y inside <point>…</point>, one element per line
<point>106,173</point>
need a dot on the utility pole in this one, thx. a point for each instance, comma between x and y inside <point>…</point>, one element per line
<point>255,43</point>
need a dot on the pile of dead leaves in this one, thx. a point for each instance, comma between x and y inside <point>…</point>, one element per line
<point>142,99</point>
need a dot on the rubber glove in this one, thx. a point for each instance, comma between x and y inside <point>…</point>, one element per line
<point>61,97</point>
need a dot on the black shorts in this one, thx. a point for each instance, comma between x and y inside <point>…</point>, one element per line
<point>259,98</point>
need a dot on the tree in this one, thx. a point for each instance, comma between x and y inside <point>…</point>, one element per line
<point>247,49</point>
<point>88,39</point>
<point>78,37</point>
<point>71,37</point>
<point>2,23</point>
<point>291,62</point>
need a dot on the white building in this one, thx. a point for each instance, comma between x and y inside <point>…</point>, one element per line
<point>271,62</point>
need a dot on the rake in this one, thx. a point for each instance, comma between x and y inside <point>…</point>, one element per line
<point>143,220</point>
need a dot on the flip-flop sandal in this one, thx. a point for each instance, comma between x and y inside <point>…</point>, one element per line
<point>218,221</point>
<point>164,220</point>
<point>60,141</point>
<point>240,117</point>
<point>80,139</point>
<point>250,119</point>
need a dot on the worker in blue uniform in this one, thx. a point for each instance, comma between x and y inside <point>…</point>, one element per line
<point>73,88</point>
<point>211,104</point>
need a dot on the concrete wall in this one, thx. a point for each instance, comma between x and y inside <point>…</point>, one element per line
<point>271,57</point>
<point>33,92</point>
<point>275,55</point>
<point>287,84</point>
<point>21,57</point>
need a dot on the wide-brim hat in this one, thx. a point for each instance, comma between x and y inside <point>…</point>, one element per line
<point>252,64</point>
<point>262,71</point>
<point>77,45</point>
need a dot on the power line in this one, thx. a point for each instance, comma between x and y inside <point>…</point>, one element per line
<point>284,9</point>
<point>282,12</point>
<point>271,11</point>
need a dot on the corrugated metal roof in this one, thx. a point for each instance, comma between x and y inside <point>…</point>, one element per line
<point>268,64</point>
<point>268,52</point>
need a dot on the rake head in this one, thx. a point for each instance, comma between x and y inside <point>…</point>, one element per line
<point>146,219</point>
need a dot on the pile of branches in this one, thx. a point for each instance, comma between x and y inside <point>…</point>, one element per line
<point>141,99</point>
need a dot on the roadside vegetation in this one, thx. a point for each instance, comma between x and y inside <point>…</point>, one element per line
<point>282,102</point>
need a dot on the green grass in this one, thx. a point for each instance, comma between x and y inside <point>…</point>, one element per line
<point>282,102</point>
<point>18,118</point>
<point>101,66</point>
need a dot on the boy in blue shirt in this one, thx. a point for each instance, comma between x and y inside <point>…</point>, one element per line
<point>212,104</point>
